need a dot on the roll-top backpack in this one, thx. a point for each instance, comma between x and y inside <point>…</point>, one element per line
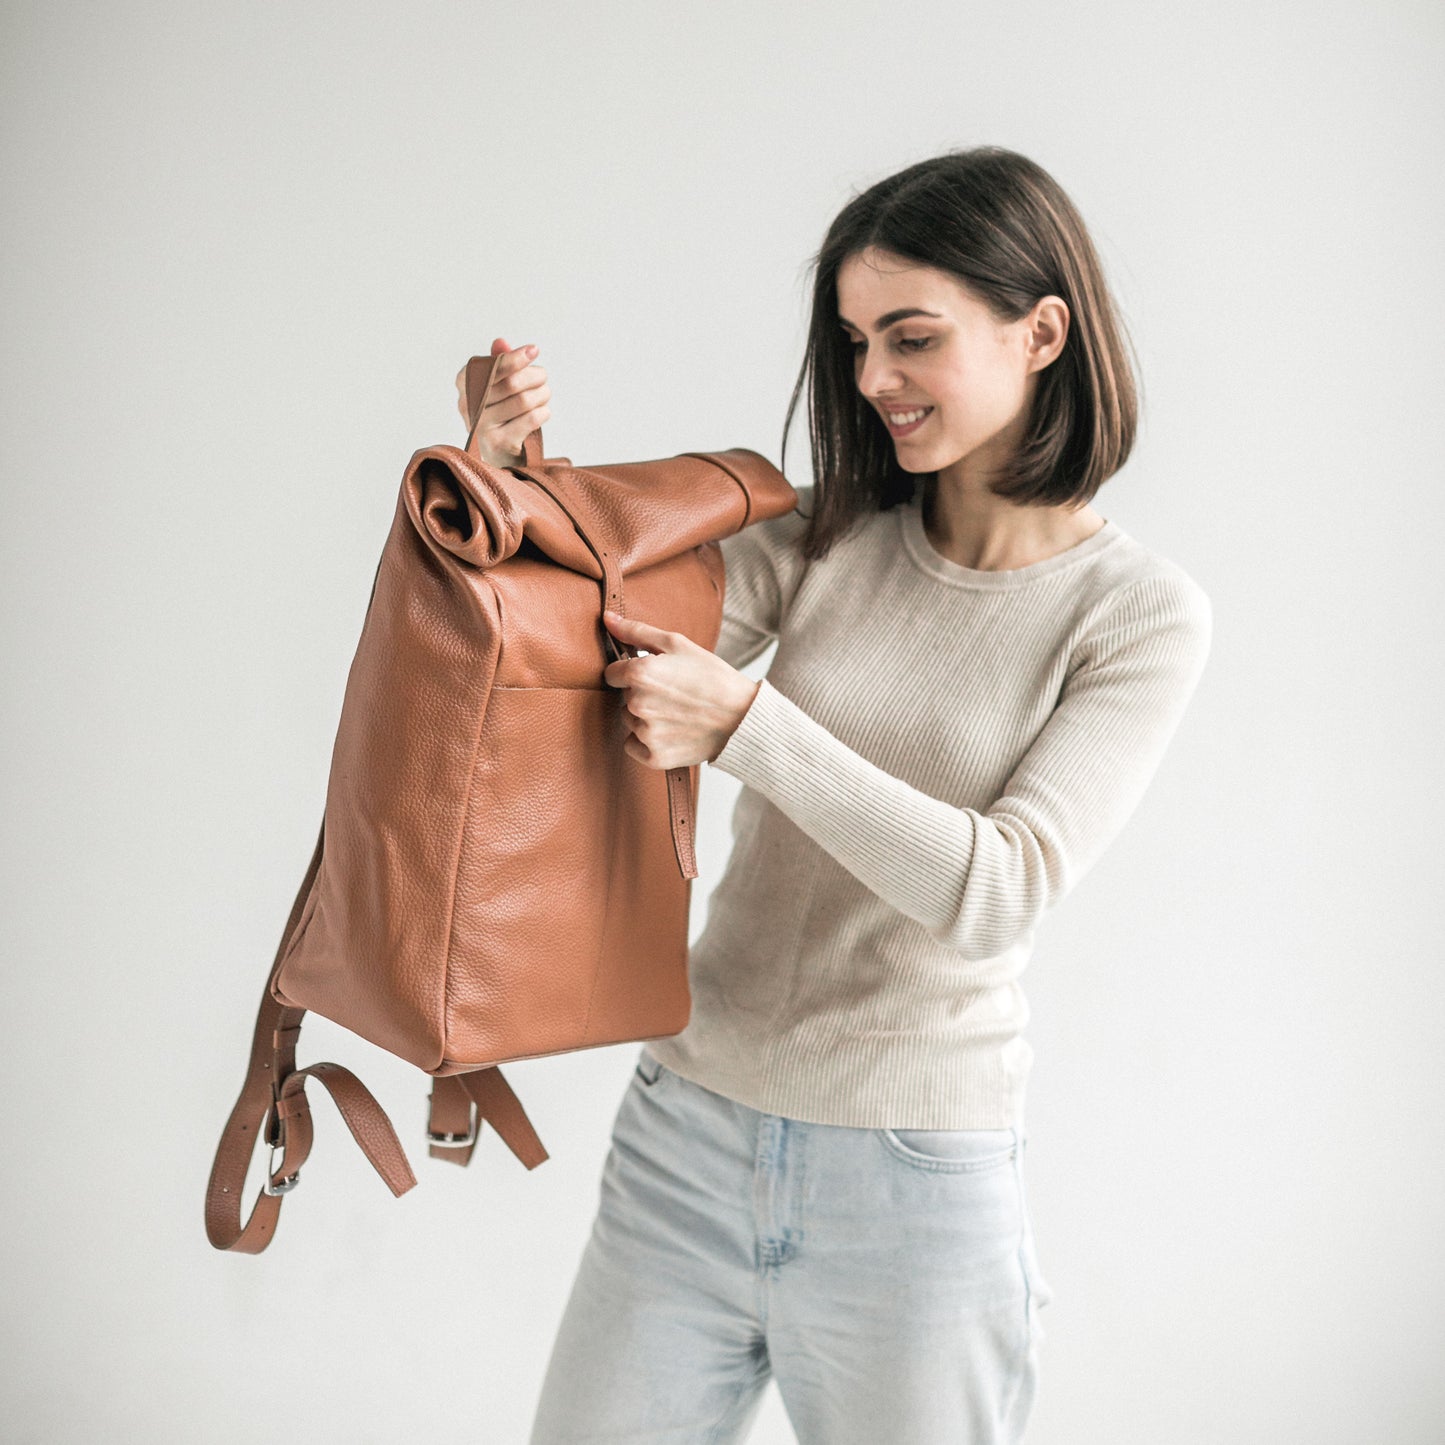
<point>495,877</point>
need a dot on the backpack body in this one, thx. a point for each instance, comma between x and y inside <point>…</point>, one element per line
<point>498,880</point>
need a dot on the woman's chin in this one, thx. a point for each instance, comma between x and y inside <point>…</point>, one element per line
<point>913,461</point>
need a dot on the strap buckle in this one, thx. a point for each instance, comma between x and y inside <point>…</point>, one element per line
<point>452,1141</point>
<point>455,1141</point>
<point>282,1186</point>
<point>274,1133</point>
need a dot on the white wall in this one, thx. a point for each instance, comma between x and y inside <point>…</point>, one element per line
<point>246,249</point>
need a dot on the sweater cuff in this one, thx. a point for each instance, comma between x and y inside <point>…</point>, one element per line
<point>759,743</point>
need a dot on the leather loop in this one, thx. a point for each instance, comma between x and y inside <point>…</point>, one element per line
<point>364,1117</point>
<point>476,384</point>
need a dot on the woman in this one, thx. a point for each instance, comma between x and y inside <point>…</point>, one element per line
<point>820,1180</point>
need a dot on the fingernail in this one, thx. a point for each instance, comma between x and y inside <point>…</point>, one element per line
<point>531,351</point>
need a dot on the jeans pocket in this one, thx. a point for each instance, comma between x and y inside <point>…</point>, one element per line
<point>648,1070</point>
<point>956,1151</point>
<point>1040,1291</point>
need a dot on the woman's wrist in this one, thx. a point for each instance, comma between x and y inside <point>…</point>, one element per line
<point>747,692</point>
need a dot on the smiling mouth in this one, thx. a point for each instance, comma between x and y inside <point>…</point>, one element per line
<point>901,423</point>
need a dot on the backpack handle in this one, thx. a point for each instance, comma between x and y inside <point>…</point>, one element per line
<point>477,382</point>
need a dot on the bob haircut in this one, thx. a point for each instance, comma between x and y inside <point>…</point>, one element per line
<point>1000,224</point>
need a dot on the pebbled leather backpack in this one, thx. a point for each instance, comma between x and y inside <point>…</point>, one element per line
<point>495,878</point>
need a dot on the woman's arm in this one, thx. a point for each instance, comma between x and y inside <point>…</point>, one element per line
<point>762,569</point>
<point>979,881</point>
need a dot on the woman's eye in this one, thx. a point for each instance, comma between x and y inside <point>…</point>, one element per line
<point>910,343</point>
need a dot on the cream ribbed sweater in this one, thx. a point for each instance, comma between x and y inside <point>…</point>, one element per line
<point>936,756</point>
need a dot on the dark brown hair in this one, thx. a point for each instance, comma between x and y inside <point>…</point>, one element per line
<point>1000,224</point>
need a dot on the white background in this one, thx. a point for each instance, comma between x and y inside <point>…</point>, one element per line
<point>246,249</point>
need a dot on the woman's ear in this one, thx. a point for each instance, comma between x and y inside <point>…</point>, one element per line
<point>1049,331</point>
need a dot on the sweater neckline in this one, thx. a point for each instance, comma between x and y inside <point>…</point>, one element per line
<point>945,569</point>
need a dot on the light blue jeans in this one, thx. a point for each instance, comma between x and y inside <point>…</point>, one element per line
<point>884,1277</point>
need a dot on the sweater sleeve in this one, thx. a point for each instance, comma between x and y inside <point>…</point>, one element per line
<point>979,881</point>
<point>761,571</point>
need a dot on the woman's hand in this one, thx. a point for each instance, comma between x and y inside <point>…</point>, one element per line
<point>517,393</point>
<point>682,702</point>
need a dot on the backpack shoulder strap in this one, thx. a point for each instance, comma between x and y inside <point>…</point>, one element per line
<point>272,1106</point>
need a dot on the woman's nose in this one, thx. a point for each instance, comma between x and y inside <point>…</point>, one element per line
<point>878,377</point>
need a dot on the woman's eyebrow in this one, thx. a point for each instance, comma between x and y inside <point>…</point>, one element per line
<point>890,317</point>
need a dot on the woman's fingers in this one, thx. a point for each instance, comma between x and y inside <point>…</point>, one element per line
<point>517,377</point>
<point>510,363</point>
<point>505,358</point>
<point>516,431</point>
<point>516,402</point>
<point>501,410</point>
<point>525,427</point>
<point>519,392</point>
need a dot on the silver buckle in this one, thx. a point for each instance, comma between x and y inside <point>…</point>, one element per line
<point>286,1185</point>
<point>451,1141</point>
<point>455,1141</point>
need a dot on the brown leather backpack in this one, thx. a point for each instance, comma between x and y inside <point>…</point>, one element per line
<point>495,878</point>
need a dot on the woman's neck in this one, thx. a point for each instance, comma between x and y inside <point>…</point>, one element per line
<point>991,534</point>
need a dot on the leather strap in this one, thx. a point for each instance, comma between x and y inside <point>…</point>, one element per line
<point>681,794</point>
<point>272,1106</point>
<point>452,1097</point>
<point>680,800</point>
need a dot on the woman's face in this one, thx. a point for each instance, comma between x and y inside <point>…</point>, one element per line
<point>972,375</point>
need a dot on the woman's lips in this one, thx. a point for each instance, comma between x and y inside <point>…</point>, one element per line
<point>911,427</point>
